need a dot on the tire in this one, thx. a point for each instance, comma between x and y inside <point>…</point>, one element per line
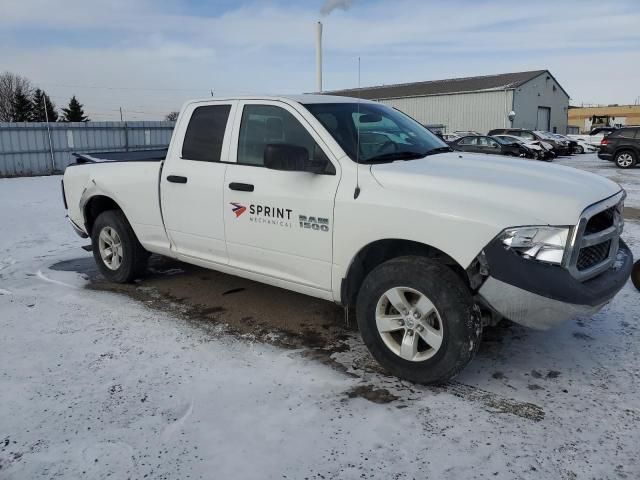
<point>453,319</point>
<point>625,159</point>
<point>635,274</point>
<point>579,149</point>
<point>116,230</point>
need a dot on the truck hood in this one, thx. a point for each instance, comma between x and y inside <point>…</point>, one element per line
<point>501,189</point>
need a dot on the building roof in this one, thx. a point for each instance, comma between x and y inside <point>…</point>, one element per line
<point>502,81</point>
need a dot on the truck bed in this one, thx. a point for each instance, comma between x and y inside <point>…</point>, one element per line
<point>156,155</point>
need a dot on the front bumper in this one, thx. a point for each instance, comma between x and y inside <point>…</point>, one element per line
<point>540,296</point>
<point>81,233</point>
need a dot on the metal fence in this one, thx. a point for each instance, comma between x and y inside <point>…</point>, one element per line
<point>30,149</point>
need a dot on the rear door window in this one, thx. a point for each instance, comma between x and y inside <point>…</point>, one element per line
<point>205,133</point>
<point>625,133</point>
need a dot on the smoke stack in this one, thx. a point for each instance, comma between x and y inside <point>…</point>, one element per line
<point>319,57</point>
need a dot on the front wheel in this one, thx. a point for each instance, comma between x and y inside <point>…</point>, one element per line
<point>116,249</point>
<point>579,149</point>
<point>417,318</point>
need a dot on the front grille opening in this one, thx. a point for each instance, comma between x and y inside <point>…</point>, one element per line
<point>600,221</point>
<point>593,255</point>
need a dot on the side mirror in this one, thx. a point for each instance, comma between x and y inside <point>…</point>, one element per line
<point>291,158</point>
<point>282,156</point>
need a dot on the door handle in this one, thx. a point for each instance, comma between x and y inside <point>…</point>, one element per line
<point>241,187</point>
<point>176,179</point>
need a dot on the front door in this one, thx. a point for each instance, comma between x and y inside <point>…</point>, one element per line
<point>192,182</point>
<point>279,223</point>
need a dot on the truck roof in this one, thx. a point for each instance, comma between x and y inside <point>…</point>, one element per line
<point>303,98</point>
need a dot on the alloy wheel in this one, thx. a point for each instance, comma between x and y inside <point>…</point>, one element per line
<point>624,160</point>
<point>110,247</point>
<point>409,324</point>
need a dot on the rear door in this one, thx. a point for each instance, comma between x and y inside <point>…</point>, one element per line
<point>279,223</point>
<point>192,182</point>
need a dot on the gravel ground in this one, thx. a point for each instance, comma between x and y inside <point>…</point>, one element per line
<point>195,374</point>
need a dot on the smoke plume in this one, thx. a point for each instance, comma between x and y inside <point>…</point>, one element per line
<point>331,5</point>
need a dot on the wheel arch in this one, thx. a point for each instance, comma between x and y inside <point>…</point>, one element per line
<point>378,252</point>
<point>626,148</point>
<point>96,205</point>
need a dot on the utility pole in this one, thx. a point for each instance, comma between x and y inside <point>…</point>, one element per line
<point>46,117</point>
<point>121,115</point>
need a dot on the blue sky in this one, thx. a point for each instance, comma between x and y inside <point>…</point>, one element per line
<point>149,56</point>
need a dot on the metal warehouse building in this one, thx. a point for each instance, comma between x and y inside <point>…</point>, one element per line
<point>478,103</point>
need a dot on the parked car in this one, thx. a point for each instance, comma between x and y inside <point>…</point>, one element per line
<point>541,150</point>
<point>559,147</point>
<point>353,202</point>
<point>493,145</point>
<point>622,147</point>
<point>563,145</point>
<point>571,143</point>
<point>595,136</point>
<point>584,147</point>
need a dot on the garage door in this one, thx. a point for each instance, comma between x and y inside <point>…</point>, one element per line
<point>544,119</point>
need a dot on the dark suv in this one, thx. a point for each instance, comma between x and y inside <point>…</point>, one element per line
<point>560,147</point>
<point>621,146</point>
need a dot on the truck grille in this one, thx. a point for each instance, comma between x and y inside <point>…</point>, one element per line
<point>590,256</point>
<point>596,238</point>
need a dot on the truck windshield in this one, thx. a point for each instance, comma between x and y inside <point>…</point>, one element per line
<point>371,133</point>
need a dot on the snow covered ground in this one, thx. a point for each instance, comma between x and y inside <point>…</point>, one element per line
<point>629,179</point>
<point>97,384</point>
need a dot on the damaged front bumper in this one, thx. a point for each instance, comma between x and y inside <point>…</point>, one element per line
<point>79,231</point>
<point>540,296</point>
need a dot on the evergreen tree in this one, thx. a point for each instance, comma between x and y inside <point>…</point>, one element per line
<point>21,110</point>
<point>39,100</point>
<point>74,112</point>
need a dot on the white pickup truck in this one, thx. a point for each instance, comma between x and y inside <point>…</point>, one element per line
<point>356,203</point>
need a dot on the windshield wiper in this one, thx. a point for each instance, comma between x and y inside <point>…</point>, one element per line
<point>392,156</point>
<point>437,150</point>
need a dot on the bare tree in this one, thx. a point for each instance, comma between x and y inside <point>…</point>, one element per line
<point>10,83</point>
<point>172,116</point>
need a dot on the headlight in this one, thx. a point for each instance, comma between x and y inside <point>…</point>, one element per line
<point>546,244</point>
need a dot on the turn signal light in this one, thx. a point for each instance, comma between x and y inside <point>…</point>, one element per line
<point>604,141</point>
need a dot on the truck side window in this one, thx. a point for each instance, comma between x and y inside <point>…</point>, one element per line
<point>266,124</point>
<point>205,133</point>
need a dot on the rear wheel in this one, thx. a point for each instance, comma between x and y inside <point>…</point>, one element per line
<point>625,159</point>
<point>116,249</point>
<point>418,320</point>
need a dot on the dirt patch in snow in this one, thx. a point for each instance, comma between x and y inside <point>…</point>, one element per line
<point>314,329</point>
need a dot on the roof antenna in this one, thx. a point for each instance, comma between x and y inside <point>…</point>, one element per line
<point>356,192</point>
